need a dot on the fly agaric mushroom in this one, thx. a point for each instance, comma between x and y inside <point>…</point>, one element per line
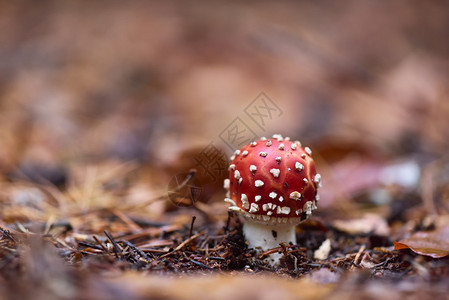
<point>273,184</point>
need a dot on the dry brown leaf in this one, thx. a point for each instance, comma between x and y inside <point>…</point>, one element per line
<point>434,244</point>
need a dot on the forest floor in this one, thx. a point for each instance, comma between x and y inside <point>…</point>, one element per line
<point>109,112</point>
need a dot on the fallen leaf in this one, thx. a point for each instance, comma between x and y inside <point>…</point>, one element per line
<point>323,252</point>
<point>434,244</point>
<point>369,223</point>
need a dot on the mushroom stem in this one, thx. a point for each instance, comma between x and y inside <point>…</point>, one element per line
<point>263,237</point>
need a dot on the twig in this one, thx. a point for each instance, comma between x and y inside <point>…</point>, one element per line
<point>216,258</point>
<point>140,252</point>
<point>191,225</point>
<point>270,251</point>
<point>180,246</point>
<point>23,229</point>
<point>197,262</point>
<point>283,248</point>
<point>116,247</point>
<point>357,256</point>
<point>61,242</point>
<point>189,177</point>
<point>216,248</point>
<point>200,264</point>
<point>84,244</point>
<point>101,245</point>
<point>183,244</point>
<point>7,234</point>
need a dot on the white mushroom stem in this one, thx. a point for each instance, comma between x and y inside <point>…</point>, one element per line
<point>264,237</point>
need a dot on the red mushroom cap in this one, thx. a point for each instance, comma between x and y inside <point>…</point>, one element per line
<point>273,181</point>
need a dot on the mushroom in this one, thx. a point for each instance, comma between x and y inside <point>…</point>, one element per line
<point>274,187</point>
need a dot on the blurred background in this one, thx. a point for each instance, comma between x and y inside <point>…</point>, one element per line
<point>148,85</point>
